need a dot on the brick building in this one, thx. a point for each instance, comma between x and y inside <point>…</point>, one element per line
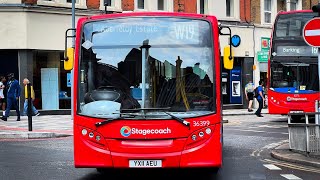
<point>32,37</point>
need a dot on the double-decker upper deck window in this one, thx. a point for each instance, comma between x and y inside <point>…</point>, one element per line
<point>291,25</point>
<point>267,11</point>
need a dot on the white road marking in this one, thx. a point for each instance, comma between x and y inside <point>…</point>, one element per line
<point>292,166</point>
<point>315,32</point>
<point>248,130</point>
<point>271,167</point>
<point>290,176</point>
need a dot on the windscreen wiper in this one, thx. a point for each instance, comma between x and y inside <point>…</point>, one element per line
<point>184,122</point>
<point>146,109</point>
<point>112,119</point>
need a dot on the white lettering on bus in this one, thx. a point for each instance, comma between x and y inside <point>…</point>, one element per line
<point>150,131</point>
<point>184,31</point>
<point>292,50</point>
<point>314,50</point>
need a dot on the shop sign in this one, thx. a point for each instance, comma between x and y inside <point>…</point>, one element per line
<point>263,56</point>
<point>265,44</point>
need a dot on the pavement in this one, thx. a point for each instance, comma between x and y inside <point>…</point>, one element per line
<point>47,126</point>
<point>55,126</point>
<point>284,153</point>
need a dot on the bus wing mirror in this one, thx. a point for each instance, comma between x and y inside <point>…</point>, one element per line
<point>227,58</point>
<point>68,61</point>
<point>68,52</point>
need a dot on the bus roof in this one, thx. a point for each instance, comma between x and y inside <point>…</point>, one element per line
<point>132,14</point>
<point>294,12</point>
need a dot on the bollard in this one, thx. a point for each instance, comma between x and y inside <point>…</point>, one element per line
<point>29,112</point>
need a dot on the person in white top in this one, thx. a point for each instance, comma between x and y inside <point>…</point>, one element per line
<point>2,95</point>
<point>249,94</point>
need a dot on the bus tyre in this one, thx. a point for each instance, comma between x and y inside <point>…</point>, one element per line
<point>209,172</point>
<point>103,170</point>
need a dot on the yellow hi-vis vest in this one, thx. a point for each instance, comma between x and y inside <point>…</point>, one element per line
<point>26,92</point>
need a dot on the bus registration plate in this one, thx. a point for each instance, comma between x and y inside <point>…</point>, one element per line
<point>145,163</point>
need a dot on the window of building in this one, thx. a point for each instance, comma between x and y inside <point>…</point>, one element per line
<point>161,5</point>
<point>63,3</point>
<point>140,4</point>
<point>294,5</point>
<point>112,5</point>
<point>267,11</point>
<point>203,6</point>
<point>229,8</point>
<point>70,1</point>
<point>109,2</point>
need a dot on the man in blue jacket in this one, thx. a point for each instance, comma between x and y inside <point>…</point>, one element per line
<point>13,95</point>
<point>260,99</point>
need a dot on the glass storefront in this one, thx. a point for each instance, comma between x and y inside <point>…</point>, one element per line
<point>51,82</point>
<point>233,81</point>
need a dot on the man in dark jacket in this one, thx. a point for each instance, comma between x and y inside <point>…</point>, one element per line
<point>13,95</point>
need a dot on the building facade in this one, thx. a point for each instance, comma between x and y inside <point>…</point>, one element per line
<point>33,32</point>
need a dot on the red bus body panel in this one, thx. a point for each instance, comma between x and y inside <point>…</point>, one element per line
<point>174,148</point>
<point>283,103</point>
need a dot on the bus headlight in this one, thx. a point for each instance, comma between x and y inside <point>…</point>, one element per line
<point>91,135</point>
<point>201,134</point>
<point>194,137</point>
<point>208,131</point>
<point>84,132</point>
<point>198,137</point>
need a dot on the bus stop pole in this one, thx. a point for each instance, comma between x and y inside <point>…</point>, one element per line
<point>317,117</point>
<point>73,45</point>
<point>29,107</point>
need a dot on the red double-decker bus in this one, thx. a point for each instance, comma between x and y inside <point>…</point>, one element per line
<point>293,66</point>
<point>147,91</point>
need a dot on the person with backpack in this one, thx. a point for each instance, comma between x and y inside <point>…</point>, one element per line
<point>249,88</point>
<point>260,98</point>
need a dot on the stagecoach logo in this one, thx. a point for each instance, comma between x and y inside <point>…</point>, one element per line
<point>126,131</point>
<point>296,98</point>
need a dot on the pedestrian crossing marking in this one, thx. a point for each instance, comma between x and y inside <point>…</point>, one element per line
<point>290,176</point>
<point>271,167</point>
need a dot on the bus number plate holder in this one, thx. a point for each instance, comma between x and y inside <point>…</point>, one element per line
<point>145,163</point>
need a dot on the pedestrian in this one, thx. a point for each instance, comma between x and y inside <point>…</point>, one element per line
<point>13,95</point>
<point>3,99</point>
<point>25,105</point>
<point>260,98</point>
<point>249,88</point>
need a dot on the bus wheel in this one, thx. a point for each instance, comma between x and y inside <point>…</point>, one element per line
<point>296,118</point>
<point>209,172</point>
